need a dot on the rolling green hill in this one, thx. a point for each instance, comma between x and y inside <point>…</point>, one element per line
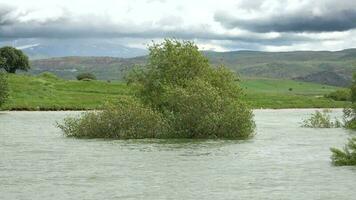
<point>47,92</point>
<point>333,68</point>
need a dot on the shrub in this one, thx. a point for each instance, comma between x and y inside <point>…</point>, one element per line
<point>321,120</point>
<point>340,95</point>
<point>198,111</point>
<point>346,157</point>
<point>182,97</point>
<point>86,77</point>
<point>4,90</point>
<point>48,75</point>
<point>125,120</point>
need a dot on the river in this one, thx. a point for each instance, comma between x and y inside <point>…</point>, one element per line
<point>283,161</point>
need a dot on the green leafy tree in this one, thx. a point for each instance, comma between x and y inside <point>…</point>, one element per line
<point>199,100</point>
<point>182,93</point>
<point>12,59</point>
<point>3,88</point>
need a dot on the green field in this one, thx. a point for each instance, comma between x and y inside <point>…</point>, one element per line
<point>51,93</point>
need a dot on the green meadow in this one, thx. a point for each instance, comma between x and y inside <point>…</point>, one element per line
<point>47,92</point>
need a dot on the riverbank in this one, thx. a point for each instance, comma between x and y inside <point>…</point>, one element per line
<point>49,93</point>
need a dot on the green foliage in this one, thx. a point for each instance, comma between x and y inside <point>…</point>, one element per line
<point>170,63</point>
<point>347,156</point>
<point>199,111</point>
<point>86,77</point>
<point>353,89</point>
<point>198,100</point>
<point>194,99</point>
<point>48,75</point>
<point>350,117</point>
<point>321,120</point>
<point>12,59</point>
<point>127,119</point>
<point>340,95</point>
<point>350,112</point>
<point>4,90</point>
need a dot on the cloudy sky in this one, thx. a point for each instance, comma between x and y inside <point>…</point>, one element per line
<point>267,25</point>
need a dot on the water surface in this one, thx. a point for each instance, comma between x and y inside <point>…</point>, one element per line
<point>283,161</point>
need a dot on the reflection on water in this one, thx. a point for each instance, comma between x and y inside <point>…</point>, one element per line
<point>283,161</point>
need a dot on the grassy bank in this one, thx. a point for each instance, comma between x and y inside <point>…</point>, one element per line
<point>50,93</point>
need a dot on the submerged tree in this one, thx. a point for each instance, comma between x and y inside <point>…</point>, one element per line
<point>192,98</point>
<point>12,59</point>
<point>348,155</point>
<point>321,119</point>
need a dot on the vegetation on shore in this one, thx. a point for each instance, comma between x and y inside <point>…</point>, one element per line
<point>340,95</point>
<point>3,88</point>
<point>179,95</point>
<point>85,77</point>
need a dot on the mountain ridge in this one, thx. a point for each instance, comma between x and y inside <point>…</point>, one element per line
<point>299,65</point>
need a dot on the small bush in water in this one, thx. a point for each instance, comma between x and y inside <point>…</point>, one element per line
<point>321,119</point>
<point>124,120</point>
<point>347,156</point>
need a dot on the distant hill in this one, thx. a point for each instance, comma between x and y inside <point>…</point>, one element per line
<point>49,48</point>
<point>104,68</point>
<point>333,68</point>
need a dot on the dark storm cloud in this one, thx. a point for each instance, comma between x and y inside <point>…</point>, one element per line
<point>304,21</point>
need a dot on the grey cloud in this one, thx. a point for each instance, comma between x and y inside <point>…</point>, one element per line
<point>303,21</point>
<point>68,26</point>
<point>5,15</point>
